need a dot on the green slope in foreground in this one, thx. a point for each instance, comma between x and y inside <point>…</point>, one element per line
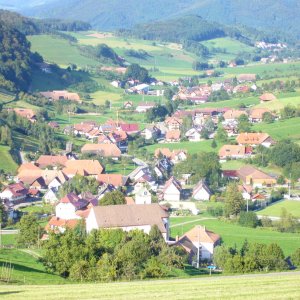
<point>267,286</point>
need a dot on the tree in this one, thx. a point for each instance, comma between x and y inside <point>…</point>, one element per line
<point>268,117</point>
<point>214,144</point>
<point>248,219</point>
<point>187,123</point>
<point>3,214</point>
<point>234,202</point>
<point>30,231</point>
<point>221,135</point>
<point>243,124</point>
<point>221,255</point>
<point>113,198</point>
<point>135,71</point>
<point>295,257</point>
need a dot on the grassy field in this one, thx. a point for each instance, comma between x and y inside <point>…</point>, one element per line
<point>191,147</point>
<point>274,210</point>
<point>27,268</point>
<point>120,168</point>
<point>59,51</point>
<point>289,128</point>
<point>234,235</point>
<point>6,161</point>
<point>279,286</point>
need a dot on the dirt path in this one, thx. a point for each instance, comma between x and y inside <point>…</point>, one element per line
<point>193,221</point>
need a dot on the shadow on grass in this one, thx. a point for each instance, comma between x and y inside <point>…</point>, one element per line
<point>23,268</point>
<point>9,293</point>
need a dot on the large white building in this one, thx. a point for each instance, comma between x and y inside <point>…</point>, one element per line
<point>129,217</point>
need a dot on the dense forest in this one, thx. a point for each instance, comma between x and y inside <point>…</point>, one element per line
<point>272,15</point>
<point>30,26</point>
<point>16,60</point>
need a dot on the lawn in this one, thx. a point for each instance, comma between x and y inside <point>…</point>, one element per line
<point>120,168</point>
<point>59,51</point>
<point>191,147</point>
<point>274,210</point>
<point>27,268</point>
<point>6,161</point>
<point>8,239</point>
<point>279,286</point>
<point>283,129</point>
<point>38,209</point>
<point>234,235</point>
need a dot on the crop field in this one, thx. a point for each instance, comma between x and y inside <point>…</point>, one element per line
<point>6,161</point>
<point>59,51</point>
<point>191,147</point>
<point>274,210</point>
<point>234,235</point>
<point>282,129</point>
<point>263,286</point>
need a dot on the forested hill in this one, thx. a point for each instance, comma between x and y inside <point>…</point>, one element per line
<point>114,14</point>
<point>31,26</point>
<point>16,60</point>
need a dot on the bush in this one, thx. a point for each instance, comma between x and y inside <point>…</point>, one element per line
<point>248,219</point>
<point>216,211</point>
<point>295,258</point>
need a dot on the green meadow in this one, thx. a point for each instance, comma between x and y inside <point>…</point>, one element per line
<point>6,161</point>
<point>234,235</point>
<point>275,210</point>
<point>278,286</point>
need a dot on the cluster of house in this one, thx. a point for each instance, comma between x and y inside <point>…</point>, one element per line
<point>200,94</point>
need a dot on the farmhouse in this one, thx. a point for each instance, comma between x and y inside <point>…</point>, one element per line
<point>83,167</point>
<point>105,150</point>
<point>15,192</point>
<point>117,180</point>
<point>27,113</point>
<point>144,107</point>
<point>199,239</point>
<point>231,115</point>
<point>201,191</point>
<point>61,95</point>
<point>173,136</point>
<point>174,155</point>
<point>256,114</point>
<point>255,139</point>
<point>254,177</point>
<point>51,161</point>
<point>173,123</point>
<point>129,217</point>
<point>234,151</point>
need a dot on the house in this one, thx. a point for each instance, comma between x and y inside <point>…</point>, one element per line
<point>117,180</point>
<point>173,123</point>
<point>104,150</point>
<point>27,113</point>
<point>254,177</point>
<point>172,190</point>
<point>50,196</point>
<point>129,217</point>
<point>172,136</point>
<point>151,132</point>
<point>59,225</point>
<point>201,191</point>
<point>246,77</point>
<point>130,128</point>
<point>141,88</point>
<point>68,205</point>
<point>232,115</point>
<point>143,196</point>
<point>256,114</point>
<point>246,191</point>
<point>144,107</point>
<point>267,97</point>
<point>199,241</point>
<point>193,135</point>
<point>84,167</point>
<point>234,151</point>
<point>174,156</point>
<point>128,104</point>
<point>51,161</point>
<point>255,139</point>
<point>15,193</point>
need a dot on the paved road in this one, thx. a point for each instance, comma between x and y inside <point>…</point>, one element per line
<point>193,221</point>
<point>271,218</point>
<point>9,231</point>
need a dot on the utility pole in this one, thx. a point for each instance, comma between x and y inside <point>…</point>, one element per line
<point>0,236</point>
<point>198,254</point>
<point>290,183</point>
<point>247,204</point>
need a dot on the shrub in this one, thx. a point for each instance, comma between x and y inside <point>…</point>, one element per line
<point>248,219</point>
<point>295,258</point>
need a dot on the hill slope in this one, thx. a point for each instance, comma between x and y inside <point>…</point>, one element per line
<point>111,14</point>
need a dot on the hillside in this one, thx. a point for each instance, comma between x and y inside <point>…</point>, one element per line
<point>107,15</point>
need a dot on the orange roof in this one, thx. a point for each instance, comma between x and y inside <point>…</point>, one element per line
<point>267,97</point>
<point>57,222</point>
<point>85,166</point>
<point>232,150</point>
<point>233,114</point>
<point>107,150</point>
<point>252,138</point>
<point>51,160</point>
<point>249,171</point>
<point>257,113</point>
<point>172,120</point>
<point>25,112</point>
<point>173,135</point>
<point>201,234</point>
<point>114,179</point>
<point>166,152</point>
<point>28,167</point>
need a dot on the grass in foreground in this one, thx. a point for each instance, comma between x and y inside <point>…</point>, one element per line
<point>234,235</point>
<point>278,286</point>
<point>274,210</point>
